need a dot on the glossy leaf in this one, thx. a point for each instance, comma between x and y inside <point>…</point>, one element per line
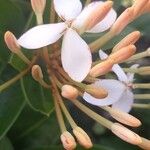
<point>5,144</point>
<point>38,98</point>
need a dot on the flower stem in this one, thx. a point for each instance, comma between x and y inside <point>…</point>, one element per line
<point>93,115</point>
<point>142,96</point>
<point>141,106</point>
<point>94,46</point>
<point>141,86</point>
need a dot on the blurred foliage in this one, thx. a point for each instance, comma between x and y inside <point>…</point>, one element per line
<point>26,110</point>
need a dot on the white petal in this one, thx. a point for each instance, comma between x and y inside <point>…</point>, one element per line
<point>68,9</point>
<point>131,75</point>
<point>80,20</point>
<point>76,56</point>
<point>126,101</point>
<point>115,90</point>
<point>116,68</point>
<point>42,35</point>
<point>106,23</point>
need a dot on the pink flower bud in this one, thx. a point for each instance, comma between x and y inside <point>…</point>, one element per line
<point>37,73</point>
<point>69,92</point>
<point>68,141</point>
<point>11,42</point>
<point>145,144</point>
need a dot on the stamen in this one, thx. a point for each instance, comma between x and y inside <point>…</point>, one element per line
<point>142,106</point>
<point>141,86</point>
<point>142,96</point>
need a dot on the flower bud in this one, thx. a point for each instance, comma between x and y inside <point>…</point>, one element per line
<point>97,92</point>
<point>122,54</point>
<point>101,68</point>
<point>11,42</point>
<point>98,14</point>
<point>139,6</point>
<point>69,92</point>
<point>123,20</point>
<point>82,137</point>
<point>128,40</point>
<point>124,117</point>
<point>145,144</point>
<point>37,72</point>
<point>126,134</point>
<point>68,141</point>
<point>38,6</point>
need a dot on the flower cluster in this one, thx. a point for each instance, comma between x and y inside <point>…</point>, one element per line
<point>73,74</point>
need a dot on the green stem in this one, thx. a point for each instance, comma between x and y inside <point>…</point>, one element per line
<point>93,115</point>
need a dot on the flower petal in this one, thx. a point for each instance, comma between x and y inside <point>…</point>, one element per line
<point>131,75</point>
<point>76,56</point>
<point>126,101</point>
<point>116,68</point>
<point>115,90</point>
<point>80,20</point>
<point>68,9</point>
<point>106,23</point>
<point>42,35</point>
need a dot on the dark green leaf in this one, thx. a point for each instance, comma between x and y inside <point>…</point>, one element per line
<point>5,144</point>
<point>11,104</point>
<point>37,97</point>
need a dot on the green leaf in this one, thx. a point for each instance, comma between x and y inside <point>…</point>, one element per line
<point>5,144</point>
<point>38,98</point>
<point>11,104</point>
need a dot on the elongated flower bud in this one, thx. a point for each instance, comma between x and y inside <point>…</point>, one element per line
<point>145,144</point>
<point>98,14</point>
<point>69,92</point>
<point>122,54</point>
<point>68,141</point>
<point>82,137</point>
<point>101,68</point>
<point>123,20</point>
<point>128,40</point>
<point>37,73</point>
<point>124,117</point>
<point>11,42</point>
<point>97,92</point>
<point>38,6</point>
<point>126,134</point>
<point>139,6</point>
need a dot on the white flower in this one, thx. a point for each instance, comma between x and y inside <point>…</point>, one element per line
<point>75,54</point>
<point>120,93</point>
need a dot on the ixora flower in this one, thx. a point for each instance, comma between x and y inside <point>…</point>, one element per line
<point>75,52</point>
<point>119,91</point>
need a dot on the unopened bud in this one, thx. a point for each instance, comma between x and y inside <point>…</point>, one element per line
<point>37,72</point>
<point>147,7</point>
<point>69,92</point>
<point>122,54</point>
<point>139,6</point>
<point>97,92</point>
<point>130,39</point>
<point>98,14</point>
<point>11,42</point>
<point>38,6</point>
<point>126,134</point>
<point>123,20</point>
<point>101,68</point>
<point>124,117</point>
<point>82,137</point>
<point>68,141</point>
<point>145,144</point>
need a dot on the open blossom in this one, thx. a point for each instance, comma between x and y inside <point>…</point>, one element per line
<point>74,48</point>
<point>120,93</point>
